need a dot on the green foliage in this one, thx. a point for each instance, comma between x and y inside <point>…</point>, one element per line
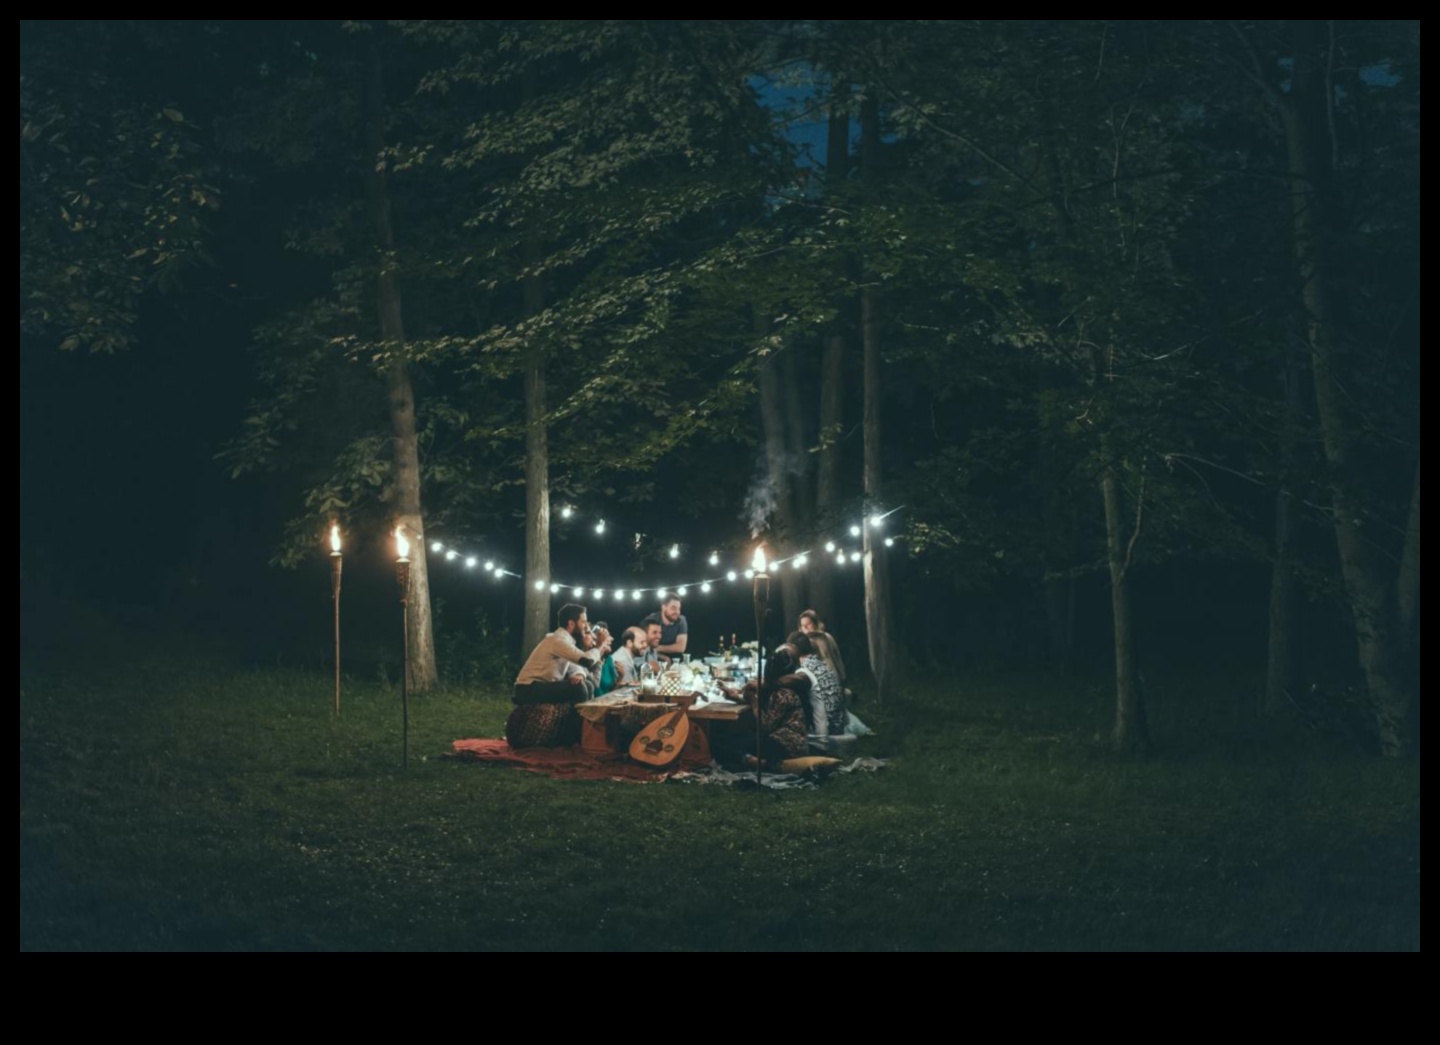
<point>114,187</point>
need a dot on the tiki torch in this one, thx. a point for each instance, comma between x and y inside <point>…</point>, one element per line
<point>762,602</point>
<point>402,578</point>
<point>335,565</point>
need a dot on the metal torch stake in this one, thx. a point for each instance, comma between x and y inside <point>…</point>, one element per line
<point>335,566</point>
<point>762,600</point>
<point>402,576</point>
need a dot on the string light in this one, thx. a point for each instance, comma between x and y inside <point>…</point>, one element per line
<point>799,560</point>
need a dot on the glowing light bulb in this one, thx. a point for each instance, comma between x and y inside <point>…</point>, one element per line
<point>554,589</point>
<point>876,521</point>
<point>840,559</point>
<point>437,547</point>
<point>599,593</point>
<point>539,585</point>
<point>830,546</point>
<point>749,574</point>
<point>674,551</point>
<point>600,526</point>
<point>579,592</point>
<point>335,538</point>
<point>635,595</point>
<point>620,594</point>
<point>804,560</point>
<point>680,592</point>
<point>730,576</point>
<point>566,512</point>
<point>714,558</point>
<point>663,594</point>
<point>705,587</point>
<point>889,542</point>
<point>470,562</point>
<point>854,531</point>
<point>489,564</point>
<point>854,556</point>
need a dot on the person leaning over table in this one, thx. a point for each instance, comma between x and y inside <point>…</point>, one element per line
<point>782,716</point>
<point>674,630</point>
<point>562,671</point>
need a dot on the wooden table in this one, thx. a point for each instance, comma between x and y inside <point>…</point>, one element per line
<point>602,729</point>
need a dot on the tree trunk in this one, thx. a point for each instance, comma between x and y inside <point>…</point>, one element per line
<point>832,367</point>
<point>773,422</point>
<point>877,564</point>
<point>798,459</point>
<point>1131,732</point>
<point>1282,670</point>
<point>1315,224</point>
<point>537,445</point>
<point>420,659</point>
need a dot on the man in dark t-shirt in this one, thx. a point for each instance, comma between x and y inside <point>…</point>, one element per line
<point>673,629</point>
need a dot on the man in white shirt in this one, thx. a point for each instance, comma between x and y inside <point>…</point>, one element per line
<point>565,667</point>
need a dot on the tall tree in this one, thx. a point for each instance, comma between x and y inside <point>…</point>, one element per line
<point>1321,226</point>
<point>405,477</point>
<point>876,565</point>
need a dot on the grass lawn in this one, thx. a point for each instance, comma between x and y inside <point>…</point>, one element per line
<point>175,802</point>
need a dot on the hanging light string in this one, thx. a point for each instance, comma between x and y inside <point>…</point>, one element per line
<point>831,549</point>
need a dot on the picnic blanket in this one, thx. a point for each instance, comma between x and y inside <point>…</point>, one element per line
<point>570,763</point>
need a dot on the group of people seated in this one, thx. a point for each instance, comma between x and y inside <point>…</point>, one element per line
<point>801,700</point>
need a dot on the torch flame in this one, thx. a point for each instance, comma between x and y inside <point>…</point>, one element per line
<point>335,538</point>
<point>758,562</point>
<point>402,545</point>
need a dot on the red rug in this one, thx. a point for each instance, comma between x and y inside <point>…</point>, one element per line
<point>564,763</point>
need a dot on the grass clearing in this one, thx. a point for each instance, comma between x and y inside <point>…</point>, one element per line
<point>170,801</point>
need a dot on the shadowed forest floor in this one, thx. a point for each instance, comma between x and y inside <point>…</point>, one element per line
<point>170,800</point>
